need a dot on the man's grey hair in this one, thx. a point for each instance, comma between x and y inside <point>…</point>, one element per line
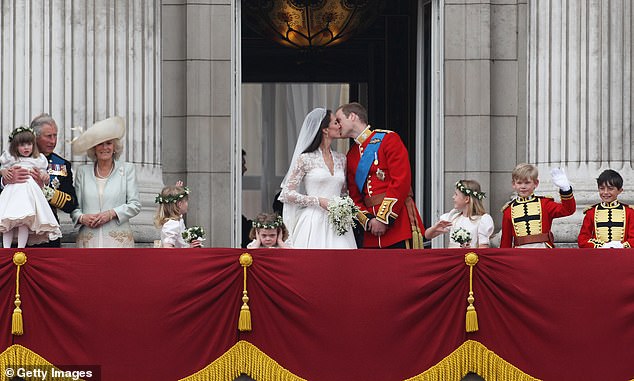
<point>40,121</point>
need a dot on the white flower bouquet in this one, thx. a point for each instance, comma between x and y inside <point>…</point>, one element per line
<point>461,236</point>
<point>342,213</point>
<point>193,233</point>
<point>49,192</point>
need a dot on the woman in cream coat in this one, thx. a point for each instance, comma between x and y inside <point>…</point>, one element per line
<point>107,193</point>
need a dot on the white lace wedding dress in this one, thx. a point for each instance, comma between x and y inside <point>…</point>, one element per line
<point>308,180</point>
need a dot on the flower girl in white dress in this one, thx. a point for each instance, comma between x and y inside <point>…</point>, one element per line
<point>268,231</point>
<point>23,206</point>
<point>173,204</point>
<point>468,223</point>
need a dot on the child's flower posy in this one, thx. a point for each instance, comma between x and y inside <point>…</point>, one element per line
<point>341,214</point>
<point>49,192</point>
<point>193,233</point>
<point>461,236</point>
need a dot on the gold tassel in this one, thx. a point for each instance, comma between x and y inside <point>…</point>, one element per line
<point>17,326</point>
<point>417,234</point>
<point>244,322</point>
<point>471,259</point>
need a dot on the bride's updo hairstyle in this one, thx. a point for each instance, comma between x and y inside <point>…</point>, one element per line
<point>319,136</point>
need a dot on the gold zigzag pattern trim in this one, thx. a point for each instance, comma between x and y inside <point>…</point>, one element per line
<point>474,357</point>
<point>18,356</point>
<point>246,358</point>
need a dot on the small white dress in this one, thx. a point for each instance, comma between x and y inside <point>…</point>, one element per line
<point>479,227</point>
<point>171,233</point>
<point>25,204</point>
<point>310,179</point>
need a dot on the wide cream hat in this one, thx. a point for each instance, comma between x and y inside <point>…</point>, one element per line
<point>104,130</point>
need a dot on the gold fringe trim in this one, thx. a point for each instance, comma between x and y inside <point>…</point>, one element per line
<point>17,326</point>
<point>246,358</point>
<point>471,320</point>
<point>244,321</point>
<point>474,357</point>
<point>17,356</point>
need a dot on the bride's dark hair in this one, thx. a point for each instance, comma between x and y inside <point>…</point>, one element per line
<point>319,135</point>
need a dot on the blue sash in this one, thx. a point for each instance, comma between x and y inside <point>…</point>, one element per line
<point>363,168</point>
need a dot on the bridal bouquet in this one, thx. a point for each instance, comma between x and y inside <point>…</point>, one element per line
<point>193,233</point>
<point>461,236</point>
<point>341,214</point>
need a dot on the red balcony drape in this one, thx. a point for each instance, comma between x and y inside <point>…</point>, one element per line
<point>163,314</point>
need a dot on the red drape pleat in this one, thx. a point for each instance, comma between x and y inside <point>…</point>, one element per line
<point>163,314</point>
<point>139,314</point>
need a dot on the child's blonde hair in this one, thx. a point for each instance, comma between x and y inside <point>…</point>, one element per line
<point>472,189</point>
<point>168,204</point>
<point>525,171</point>
<point>269,221</point>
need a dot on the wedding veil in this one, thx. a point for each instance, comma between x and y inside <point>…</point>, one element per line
<point>307,134</point>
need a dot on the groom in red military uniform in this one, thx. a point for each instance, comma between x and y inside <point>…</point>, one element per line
<point>380,182</point>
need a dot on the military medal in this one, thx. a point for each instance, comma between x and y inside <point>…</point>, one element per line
<point>380,174</point>
<point>57,170</point>
<point>376,160</point>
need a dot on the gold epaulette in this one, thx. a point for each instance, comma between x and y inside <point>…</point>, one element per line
<point>589,207</point>
<point>548,196</point>
<point>380,130</point>
<point>506,206</point>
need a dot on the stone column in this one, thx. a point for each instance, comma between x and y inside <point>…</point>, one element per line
<point>201,144</point>
<point>580,96</point>
<point>83,61</point>
<point>467,100</point>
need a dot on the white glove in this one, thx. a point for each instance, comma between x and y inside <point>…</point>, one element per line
<point>613,245</point>
<point>560,179</point>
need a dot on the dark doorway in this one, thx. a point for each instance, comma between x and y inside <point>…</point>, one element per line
<point>379,64</point>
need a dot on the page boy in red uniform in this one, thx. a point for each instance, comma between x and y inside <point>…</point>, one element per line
<point>608,224</point>
<point>527,219</point>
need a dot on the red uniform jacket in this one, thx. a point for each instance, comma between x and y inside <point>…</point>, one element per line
<point>588,236</point>
<point>549,211</point>
<point>389,175</point>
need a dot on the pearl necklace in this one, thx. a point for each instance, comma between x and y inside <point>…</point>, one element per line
<point>99,173</point>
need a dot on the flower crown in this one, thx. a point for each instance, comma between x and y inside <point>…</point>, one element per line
<point>18,130</point>
<point>171,199</point>
<point>269,225</point>
<point>469,192</point>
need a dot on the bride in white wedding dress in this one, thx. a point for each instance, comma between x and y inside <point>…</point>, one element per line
<point>316,175</point>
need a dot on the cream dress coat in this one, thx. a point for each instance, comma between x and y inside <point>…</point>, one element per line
<point>118,192</point>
